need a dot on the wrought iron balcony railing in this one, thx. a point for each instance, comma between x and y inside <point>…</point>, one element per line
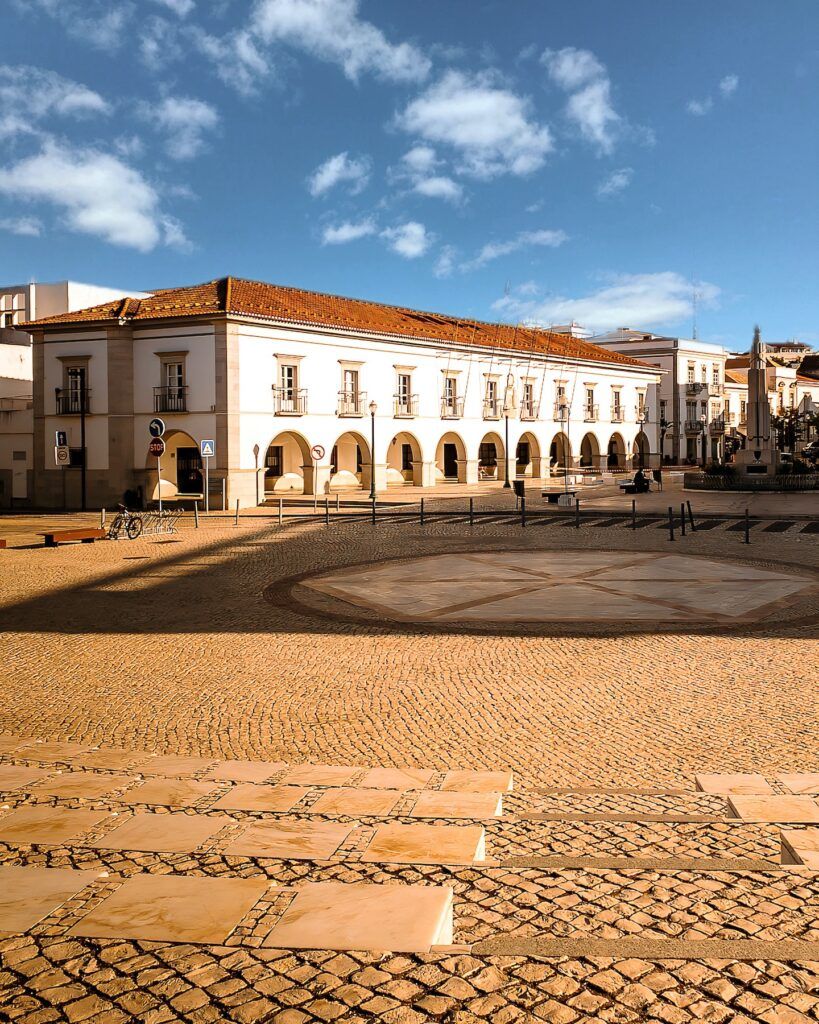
<point>617,414</point>
<point>529,411</point>
<point>289,401</point>
<point>73,401</point>
<point>171,399</point>
<point>452,408</point>
<point>405,406</point>
<point>491,409</point>
<point>351,403</point>
<point>561,411</point>
<point>591,413</point>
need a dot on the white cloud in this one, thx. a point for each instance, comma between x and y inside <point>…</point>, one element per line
<point>331,30</point>
<point>440,187</point>
<point>488,124</point>
<point>589,106</point>
<point>236,57</point>
<point>348,232</point>
<point>699,108</point>
<point>615,183</point>
<point>340,168</point>
<point>185,120</point>
<point>445,264</point>
<point>409,240</point>
<point>100,23</point>
<point>634,300</point>
<point>181,7</point>
<point>728,85</point>
<point>97,193</point>
<point>28,226</point>
<point>525,239</point>
<point>29,95</point>
<point>421,159</point>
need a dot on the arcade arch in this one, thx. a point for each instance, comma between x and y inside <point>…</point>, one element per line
<point>450,459</point>
<point>490,457</point>
<point>404,460</point>
<point>287,464</point>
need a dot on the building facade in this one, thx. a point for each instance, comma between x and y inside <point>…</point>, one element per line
<point>292,387</point>
<point>19,304</point>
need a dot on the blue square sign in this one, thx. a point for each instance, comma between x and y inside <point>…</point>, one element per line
<point>207,449</point>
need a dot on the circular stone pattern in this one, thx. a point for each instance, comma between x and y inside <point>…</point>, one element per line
<point>560,586</point>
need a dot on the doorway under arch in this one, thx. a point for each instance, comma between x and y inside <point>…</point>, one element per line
<point>350,462</point>
<point>404,460</point>
<point>527,456</point>
<point>450,459</point>
<point>616,452</point>
<point>182,470</point>
<point>287,464</point>
<point>560,454</point>
<point>490,457</point>
<point>590,451</point>
<point>641,451</point>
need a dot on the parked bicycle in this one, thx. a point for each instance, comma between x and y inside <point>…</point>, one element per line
<point>125,522</point>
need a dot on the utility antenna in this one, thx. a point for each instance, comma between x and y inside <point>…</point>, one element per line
<point>695,300</point>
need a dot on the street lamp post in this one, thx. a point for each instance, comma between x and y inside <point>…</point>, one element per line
<point>665,426</point>
<point>703,431</point>
<point>506,450</point>
<point>373,410</point>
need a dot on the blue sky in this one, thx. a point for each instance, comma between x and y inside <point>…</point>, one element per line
<point>515,159</point>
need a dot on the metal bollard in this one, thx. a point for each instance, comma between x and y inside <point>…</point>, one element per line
<point>315,500</point>
<point>338,502</point>
<point>682,520</point>
<point>422,511</point>
<point>102,518</point>
<point>633,514</point>
<point>691,518</point>
<point>326,511</point>
<point>236,517</point>
<point>196,514</point>
<point>373,511</point>
<point>747,528</point>
<point>471,511</point>
<point>281,511</point>
<point>670,523</point>
<point>577,513</point>
<point>224,496</point>
<point>523,511</point>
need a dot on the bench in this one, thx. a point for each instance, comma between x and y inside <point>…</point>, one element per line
<point>86,536</point>
<point>553,497</point>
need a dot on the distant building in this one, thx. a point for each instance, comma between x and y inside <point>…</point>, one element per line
<point>18,304</point>
<point>691,394</point>
<point>290,385</point>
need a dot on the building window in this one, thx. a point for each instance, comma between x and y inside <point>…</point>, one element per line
<point>274,460</point>
<point>641,402</point>
<point>692,373</point>
<point>491,392</point>
<point>743,410</point>
<point>288,377</point>
<point>450,390</point>
<point>715,375</point>
<point>528,405</point>
<point>704,373</point>
<point>663,406</point>
<point>406,458</point>
<point>75,456</point>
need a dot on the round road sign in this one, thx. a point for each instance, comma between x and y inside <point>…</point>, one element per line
<point>61,455</point>
<point>156,447</point>
<point>317,451</point>
<point>156,428</point>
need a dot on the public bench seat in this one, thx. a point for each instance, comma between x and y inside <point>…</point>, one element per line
<point>86,535</point>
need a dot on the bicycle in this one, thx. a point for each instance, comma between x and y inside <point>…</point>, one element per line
<point>125,522</point>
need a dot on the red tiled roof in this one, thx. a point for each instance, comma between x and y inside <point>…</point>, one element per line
<point>238,297</point>
<point>737,376</point>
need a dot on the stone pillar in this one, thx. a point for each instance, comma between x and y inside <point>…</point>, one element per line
<point>467,471</point>
<point>427,473</point>
<point>536,467</point>
<point>316,477</point>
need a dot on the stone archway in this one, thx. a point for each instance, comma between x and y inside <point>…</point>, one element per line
<point>450,459</point>
<point>590,451</point>
<point>616,452</point>
<point>350,465</point>
<point>490,457</point>
<point>288,465</point>
<point>641,451</point>
<point>527,456</point>
<point>560,454</point>
<point>404,460</point>
<point>182,470</point>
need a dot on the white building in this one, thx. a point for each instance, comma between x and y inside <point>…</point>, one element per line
<point>691,395</point>
<point>285,382</point>
<point>18,304</point>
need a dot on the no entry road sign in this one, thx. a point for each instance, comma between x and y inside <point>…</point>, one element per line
<point>156,428</point>
<point>156,447</point>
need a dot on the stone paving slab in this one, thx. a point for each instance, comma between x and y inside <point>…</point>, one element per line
<point>82,785</point>
<point>175,766</point>
<point>806,783</point>
<point>161,833</point>
<point>426,844</point>
<point>801,846</point>
<point>290,840</point>
<point>42,824</point>
<point>160,908</point>
<point>356,802</point>
<point>52,751</point>
<point>785,809</point>
<point>392,918</point>
<point>464,781</point>
<point>244,771</point>
<point>110,758</point>
<point>28,894</point>
<point>431,804</point>
<point>170,792</point>
<point>248,796</point>
<point>319,775</point>
<point>724,784</point>
<point>397,778</point>
<point>15,777</point>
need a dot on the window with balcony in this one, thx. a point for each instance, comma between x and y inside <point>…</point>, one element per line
<point>491,402</point>
<point>351,399</point>
<point>452,407</point>
<point>74,397</point>
<point>589,408</point>
<point>715,375</point>
<point>528,409</point>
<point>703,374</point>
<point>289,398</point>
<point>171,395</point>
<point>616,406</point>
<point>641,406</point>
<point>561,409</point>
<point>691,373</point>
<point>406,403</point>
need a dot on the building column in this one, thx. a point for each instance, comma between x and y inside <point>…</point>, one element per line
<point>467,471</point>
<point>316,477</point>
<point>536,466</point>
<point>427,473</point>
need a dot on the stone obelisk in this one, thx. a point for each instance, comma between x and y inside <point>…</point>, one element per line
<point>758,457</point>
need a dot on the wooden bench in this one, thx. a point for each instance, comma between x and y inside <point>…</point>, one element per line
<point>87,536</point>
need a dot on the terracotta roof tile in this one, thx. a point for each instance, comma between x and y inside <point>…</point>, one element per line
<point>239,297</point>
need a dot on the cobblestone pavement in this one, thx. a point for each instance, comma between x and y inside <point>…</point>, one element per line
<point>171,645</point>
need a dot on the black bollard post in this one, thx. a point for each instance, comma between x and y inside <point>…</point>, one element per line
<point>422,511</point>
<point>747,528</point>
<point>373,511</point>
<point>633,514</point>
<point>577,513</point>
<point>670,523</point>
<point>196,514</point>
<point>471,511</point>
<point>691,518</point>
<point>682,520</point>
<point>523,511</point>
<point>326,511</point>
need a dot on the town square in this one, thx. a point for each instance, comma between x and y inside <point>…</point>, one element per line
<point>408,614</point>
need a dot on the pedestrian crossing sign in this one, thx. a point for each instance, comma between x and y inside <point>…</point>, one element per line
<point>207,449</point>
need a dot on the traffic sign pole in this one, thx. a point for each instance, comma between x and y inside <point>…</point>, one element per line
<point>207,485</point>
<point>159,479</point>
